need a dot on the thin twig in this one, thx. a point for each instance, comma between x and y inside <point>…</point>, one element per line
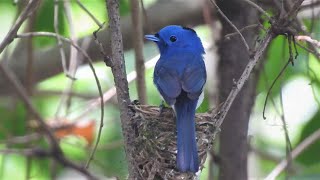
<point>30,57</point>
<point>56,30</point>
<point>11,78</point>
<point>312,48</point>
<point>286,134</point>
<point>106,58</point>
<point>89,13</point>
<point>145,17</point>
<point>87,57</point>
<point>137,36</point>
<point>65,99</point>
<point>85,96</point>
<point>293,10</point>
<point>312,51</point>
<point>308,39</point>
<point>231,24</point>
<point>258,8</point>
<point>309,4</point>
<point>55,148</point>
<point>107,96</point>
<point>314,78</point>
<point>242,29</point>
<point>41,153</point>
<point>272,84</point>
<point>27,139</point>
<point>243,78</point>
<point>295,153</point>
<point>28,10</point>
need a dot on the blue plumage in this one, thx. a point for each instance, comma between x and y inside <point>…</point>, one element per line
<point>179,76</point>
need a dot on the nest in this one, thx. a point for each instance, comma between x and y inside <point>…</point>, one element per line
<point>155,142</point>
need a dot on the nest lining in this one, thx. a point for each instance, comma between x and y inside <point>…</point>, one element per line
<point>155,142</point>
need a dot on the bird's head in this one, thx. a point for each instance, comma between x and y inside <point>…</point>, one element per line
<point>175,38</point>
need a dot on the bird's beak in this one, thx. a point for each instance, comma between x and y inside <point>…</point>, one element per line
<point>152,38</point>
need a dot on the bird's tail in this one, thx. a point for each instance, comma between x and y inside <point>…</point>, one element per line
<point>187,157</point>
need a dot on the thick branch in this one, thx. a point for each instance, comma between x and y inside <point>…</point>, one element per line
<point>120,78</point>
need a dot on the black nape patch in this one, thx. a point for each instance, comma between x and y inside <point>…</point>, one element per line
<point>187,28</point>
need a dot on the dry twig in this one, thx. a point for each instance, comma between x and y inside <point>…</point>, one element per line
<point>137,36</point>
<point>231,24</point>
<point>295,153</point>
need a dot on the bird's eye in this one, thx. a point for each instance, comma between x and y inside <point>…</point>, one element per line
<point>173,38</point>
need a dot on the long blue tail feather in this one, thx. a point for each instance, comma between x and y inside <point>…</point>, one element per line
<point>187,156</point>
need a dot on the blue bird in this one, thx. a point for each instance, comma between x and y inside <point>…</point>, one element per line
<point>179,76</point>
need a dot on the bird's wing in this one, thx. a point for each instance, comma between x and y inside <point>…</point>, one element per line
<point>167,82</point>
<point>193,80</point>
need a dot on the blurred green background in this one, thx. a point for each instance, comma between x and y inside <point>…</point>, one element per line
<point>299,86</point>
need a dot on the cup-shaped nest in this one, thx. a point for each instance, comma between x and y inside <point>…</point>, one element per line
<point>155,142</point>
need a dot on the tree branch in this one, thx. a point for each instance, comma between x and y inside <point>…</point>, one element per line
<point>244,77</point>
<point>119,73</point>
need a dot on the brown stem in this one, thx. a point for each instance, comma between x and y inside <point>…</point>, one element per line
<point>28,10</point>
<point>137,37</point>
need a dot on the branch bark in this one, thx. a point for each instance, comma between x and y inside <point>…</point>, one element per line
<point>118,68</point>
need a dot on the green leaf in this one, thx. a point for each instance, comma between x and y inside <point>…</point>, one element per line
<point>16,116</point>
<point>311,155</point>
<point>45,22</point>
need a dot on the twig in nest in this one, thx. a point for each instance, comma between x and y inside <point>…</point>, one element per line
<point>156,141</point>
